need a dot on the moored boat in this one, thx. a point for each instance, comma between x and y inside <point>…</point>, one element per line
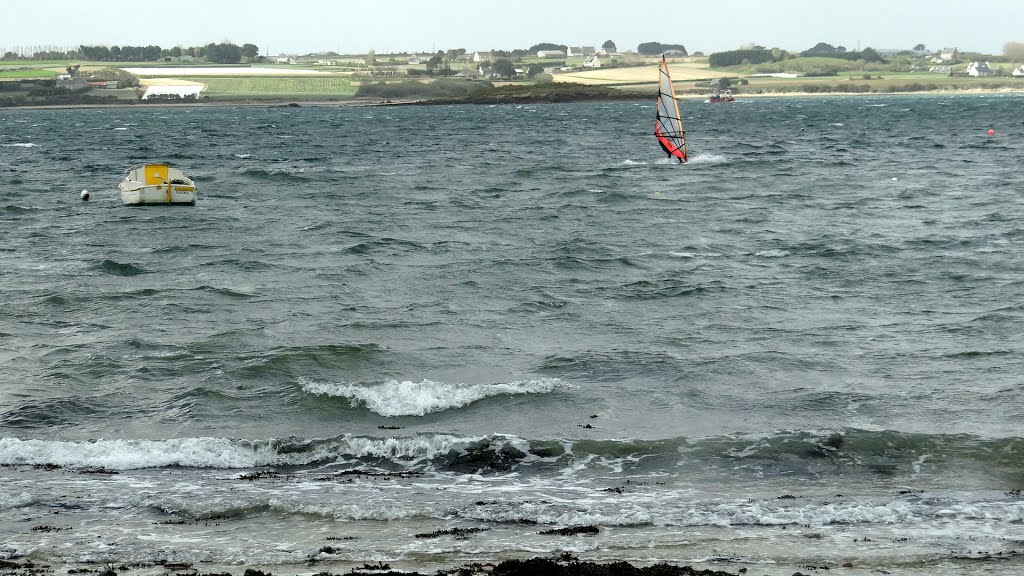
<point>157,184</point>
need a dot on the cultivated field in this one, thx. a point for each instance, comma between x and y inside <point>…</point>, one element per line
<point>304,88</point>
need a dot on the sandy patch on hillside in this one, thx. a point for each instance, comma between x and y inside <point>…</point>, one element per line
<point>638,74</point>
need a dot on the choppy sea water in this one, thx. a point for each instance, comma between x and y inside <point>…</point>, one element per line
<point>424,336</point>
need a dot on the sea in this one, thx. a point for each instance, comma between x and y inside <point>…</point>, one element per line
<point>426,337</point>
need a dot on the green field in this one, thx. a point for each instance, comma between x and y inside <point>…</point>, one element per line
<point>878,83</point>
<point>229,88</point>
<point>26,73</point>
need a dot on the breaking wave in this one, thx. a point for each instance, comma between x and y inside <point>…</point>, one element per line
<point>406,398</point>
<point>790,454</point>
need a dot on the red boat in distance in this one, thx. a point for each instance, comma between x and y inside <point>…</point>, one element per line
<point>717,97</point>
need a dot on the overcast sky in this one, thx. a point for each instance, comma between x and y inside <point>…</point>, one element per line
<point>304,26</point>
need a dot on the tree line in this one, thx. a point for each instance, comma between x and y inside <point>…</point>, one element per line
<point>223,53</point>
<point>760,55</point>
<point>656,48</point>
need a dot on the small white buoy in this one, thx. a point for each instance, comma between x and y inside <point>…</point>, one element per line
<point>85,195</point>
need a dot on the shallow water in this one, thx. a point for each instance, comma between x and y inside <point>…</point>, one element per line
<point>801,348</point>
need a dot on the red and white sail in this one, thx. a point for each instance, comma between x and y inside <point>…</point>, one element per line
<point>668,125</point>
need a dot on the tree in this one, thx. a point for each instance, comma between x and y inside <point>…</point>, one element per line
<point>547,46</point>
<point>250,51</point>
<point>820,49</point>
<point>655,48</point>
<point>1013,52</point>
<point>126,79</point>
<point>736,57</point>
<point>503,67</point>
<point>534,70</point>
<point>871,55</point>
<point>223,53</point>
<point>609,46</point>
<point>435,63</point>
<point>920,47</point>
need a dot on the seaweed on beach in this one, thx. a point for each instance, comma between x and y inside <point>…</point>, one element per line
<point>459,533</point>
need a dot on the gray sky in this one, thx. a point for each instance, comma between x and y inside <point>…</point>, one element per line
<point>303,26</point>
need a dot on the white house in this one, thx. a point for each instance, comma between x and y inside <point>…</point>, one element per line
<point>550,54</point>
<point>592,61</point>
<point>1018,72</point>
<point>980,69</point>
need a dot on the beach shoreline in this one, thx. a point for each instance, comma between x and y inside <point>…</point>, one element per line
<point>566,565</point>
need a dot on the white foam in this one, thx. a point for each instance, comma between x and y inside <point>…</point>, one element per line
<point>115,454</point>
<point>412,448</point>
<point>11,501</point>
<point>406,398</point>
<point>132,454</point>
<point>772,253</point>
<point>19,145</point>
<point>705,158</point>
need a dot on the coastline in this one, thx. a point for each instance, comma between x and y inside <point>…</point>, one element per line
<point>500,98</point>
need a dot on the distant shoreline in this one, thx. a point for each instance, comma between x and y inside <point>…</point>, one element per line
<point>498,97</point>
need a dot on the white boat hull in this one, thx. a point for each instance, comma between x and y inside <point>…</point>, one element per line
<point>157,195</point>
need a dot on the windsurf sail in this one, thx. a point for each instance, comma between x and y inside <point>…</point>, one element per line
<point>668,124</point>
